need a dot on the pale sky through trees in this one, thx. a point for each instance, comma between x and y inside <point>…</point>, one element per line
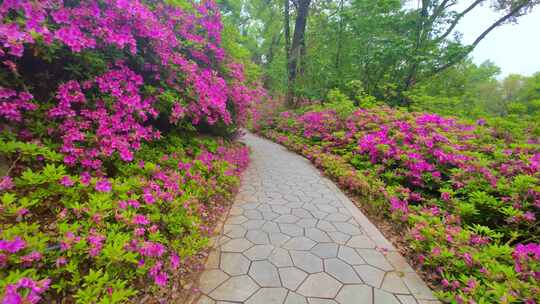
<point>515,48</point>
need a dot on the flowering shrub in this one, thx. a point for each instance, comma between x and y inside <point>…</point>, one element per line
<point>103,70</point>
<point>107,190</point>
<point>100,239</point>
<point>469,198</point>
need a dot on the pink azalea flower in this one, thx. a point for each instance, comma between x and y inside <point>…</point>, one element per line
<point>6,183</point>
<point>103,185</point>
<point>140,219</point>
<point>13,246</point>
<point>66,181</point>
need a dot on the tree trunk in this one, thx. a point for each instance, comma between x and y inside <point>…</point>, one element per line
<point>339,40</point>
<point>295,51</point>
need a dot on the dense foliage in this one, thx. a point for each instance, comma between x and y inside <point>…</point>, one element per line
<point>389,46</point>
<point>468,196</point>
<point>106,184</point>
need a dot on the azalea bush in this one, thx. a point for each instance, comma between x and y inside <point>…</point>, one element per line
<point>95,239</point>
<point>467,194</point>
<point>108,189</point>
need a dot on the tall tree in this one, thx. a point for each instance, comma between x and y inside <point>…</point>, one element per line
<point>297,48</point>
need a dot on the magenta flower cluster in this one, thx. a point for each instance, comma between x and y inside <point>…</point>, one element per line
<point>109,114</point>
<point>32,290</point>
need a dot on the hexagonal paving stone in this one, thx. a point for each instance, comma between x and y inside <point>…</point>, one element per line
<point>234,263</point>
<point>327,250</point>
<point>302,213</point>
<point>281,258</point>
<point>375,258</point>
<point>278,238</point>
<point>235,289</point>
<point>417,286</point>
<point>281,210</point>
<point>270,227</point>
<point>287,219</point>
<point>319,214</point>
<point>337,217</point>
<point>258,237</point>
<point>291,277</point>
<point>236,245</point>
<point>294,298</point>
<point>317,235</point>
<point>350,256</point>
<point>291,198</point>
<point>341,271</point>
<point>348,228</point>
<point>299,243</point>
<point>222,240</point>
<point>370,275</point>
<point>361,241</point>
<point>234,231</point>
<point>310,207</point>
<point>269,215</point>
<point>392,283</point>
<point>307,261</point>
<point>321,301</point>
<point>253,224</point>
<point>398,261</point>
<point>268,296</point>
<point>326,226</point>
<point>250,206</point>
<point>320,285</point>
<point>355,294</point>
<point>327,208</point>
<point>406,299</point>
<point>291,230</point>
<point>253,215</point>
<point>295,205</point>
<point>339,237</point>
<point>265,274</point>
<point>383,297</point>
<point>205,300</point>
<point>211,279</point>
<point>239,219</point>
<point>307,223</point>
<point>259,252</point>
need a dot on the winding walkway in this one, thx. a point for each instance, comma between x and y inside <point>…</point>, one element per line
<point>292,237</point>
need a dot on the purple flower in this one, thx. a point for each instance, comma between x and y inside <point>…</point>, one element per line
<point>140,219</point>
<point>66,181</point>
<point>175,261</point>
<point>12,246</point>
<point>152,249</point>
<point>468,259</point>
<point>33,256</point>
<point>103,185</point>
<point>85,178</point>
<point>6,183</point>
<point>445,196</point>
<point>161,279</point>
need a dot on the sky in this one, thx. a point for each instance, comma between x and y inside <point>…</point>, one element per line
<point>515,48</point>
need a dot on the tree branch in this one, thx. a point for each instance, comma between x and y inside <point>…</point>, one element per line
<point>456,21</point>
<point>478,39</point>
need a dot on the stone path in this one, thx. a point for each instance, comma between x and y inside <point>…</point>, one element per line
<point>292,237</point>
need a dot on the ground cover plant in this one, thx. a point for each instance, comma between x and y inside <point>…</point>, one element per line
<point>108,189</point>
<point>467,195</point>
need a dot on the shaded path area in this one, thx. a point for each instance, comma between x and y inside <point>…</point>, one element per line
<point>292,237</point>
